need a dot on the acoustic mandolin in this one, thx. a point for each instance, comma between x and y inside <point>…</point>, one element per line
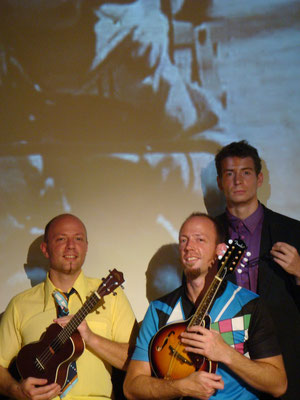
<point>168,357</point>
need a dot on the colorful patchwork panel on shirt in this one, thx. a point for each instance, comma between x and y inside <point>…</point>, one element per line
<point>234,331</point>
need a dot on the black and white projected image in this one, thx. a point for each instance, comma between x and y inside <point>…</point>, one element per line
<point>113,111</point>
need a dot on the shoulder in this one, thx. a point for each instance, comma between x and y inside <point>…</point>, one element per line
<point>164,305</point>
<point>24,301</point>
<point>170,298</point>
<point>276,217</point>
<point>282,228</point>
<point>29,295</point>
<point>241,294</point>
<point>92,283</point>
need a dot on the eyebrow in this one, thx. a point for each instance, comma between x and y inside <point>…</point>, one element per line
<point>244,168</point>
<point>194,234</point>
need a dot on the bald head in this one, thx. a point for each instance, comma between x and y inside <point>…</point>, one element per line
<point>58,218</point>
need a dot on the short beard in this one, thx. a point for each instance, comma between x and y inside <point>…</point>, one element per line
<point>192,274</point>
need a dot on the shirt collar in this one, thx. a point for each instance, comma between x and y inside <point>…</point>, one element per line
<point>250,222</point>
<point>80,286</point>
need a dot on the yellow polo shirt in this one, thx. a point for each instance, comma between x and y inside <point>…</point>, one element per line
<point>29,314</point>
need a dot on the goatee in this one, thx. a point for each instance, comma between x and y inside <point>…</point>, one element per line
<point>192,274</point>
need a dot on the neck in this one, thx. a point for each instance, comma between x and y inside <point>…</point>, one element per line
<point>62,281</point>
<point>243,211</point>
<point>197,288</point>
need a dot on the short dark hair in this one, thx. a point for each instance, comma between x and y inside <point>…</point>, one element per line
<point>220,234</point>
<point>240,149</point>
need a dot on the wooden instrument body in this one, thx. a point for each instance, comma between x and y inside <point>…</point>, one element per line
<point>40,360</point>
<point>168,357</point>
<point>51,356</point>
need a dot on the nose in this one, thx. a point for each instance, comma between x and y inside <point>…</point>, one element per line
<point>189,244</point>
<point>70,243</point>
<point>237,178</point>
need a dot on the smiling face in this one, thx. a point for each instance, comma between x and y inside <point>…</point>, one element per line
<point>197,246</point>
<point>239,181</point>
<point>66,246</point>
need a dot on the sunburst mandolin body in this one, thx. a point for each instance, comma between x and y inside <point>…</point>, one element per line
<point>168,357</point>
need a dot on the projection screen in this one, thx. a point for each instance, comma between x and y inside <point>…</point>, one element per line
<point>114,110</point>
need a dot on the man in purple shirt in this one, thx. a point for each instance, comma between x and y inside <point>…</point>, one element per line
<point>273,269</point>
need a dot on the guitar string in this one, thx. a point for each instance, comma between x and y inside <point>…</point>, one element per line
<point>55,346</point>
<point>61,338</point>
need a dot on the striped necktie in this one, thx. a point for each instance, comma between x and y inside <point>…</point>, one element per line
<point>62,300</point>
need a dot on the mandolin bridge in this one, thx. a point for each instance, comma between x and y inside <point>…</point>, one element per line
<point>180,356</point>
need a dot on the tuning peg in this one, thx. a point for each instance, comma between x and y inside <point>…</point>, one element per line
<point>122,287</point>
<point>248,254</point>
<point>220,257</point>
<point>114,293</point>
<point>230,241</point>
<point>239,270</point>
<point>245,259</point>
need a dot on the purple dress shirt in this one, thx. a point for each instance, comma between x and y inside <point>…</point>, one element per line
<point>249,230</point>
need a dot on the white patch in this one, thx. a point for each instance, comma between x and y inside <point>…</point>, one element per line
<point>12,221</point>
<point>238,323</point>
<point>36,231</point>
<point>31,117</point>
<point>16,279</point>
<point>228,303</point>
<point>168,226</point>
<point>36,160</point>
<point>154,159</point>
<point>37,87</point>
<point>49,183</point>
<point>66,205</point>
<point>134,158</point>
<point>176,314</point>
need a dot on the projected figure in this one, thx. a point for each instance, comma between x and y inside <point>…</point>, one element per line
<point>273,239</point>
<point>92,68</point>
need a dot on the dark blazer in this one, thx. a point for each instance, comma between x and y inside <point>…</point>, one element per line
<point>279,290</point>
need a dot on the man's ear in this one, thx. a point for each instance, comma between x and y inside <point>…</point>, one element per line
<point>221,249</point>
<point>43,247</point>
<point>219,182</point>
<point>260,179</point>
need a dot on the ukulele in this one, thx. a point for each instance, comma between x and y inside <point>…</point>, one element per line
<point>168,357</point>
<point>50,357</point>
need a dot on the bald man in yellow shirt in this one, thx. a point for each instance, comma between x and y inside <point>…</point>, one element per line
<point>106,331</point>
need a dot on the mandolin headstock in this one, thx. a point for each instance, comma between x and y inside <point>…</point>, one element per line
<point>233,257</point>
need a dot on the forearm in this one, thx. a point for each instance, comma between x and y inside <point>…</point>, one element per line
<point>139,384</point>
<point>116,354</point>
<point>9,386</point>
<point>148,388</point>
<point>267,375</point>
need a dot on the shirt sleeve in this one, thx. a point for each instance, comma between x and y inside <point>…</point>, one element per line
<point>262,340</point>
<point>148,329</point>
<point>10,338</point>
<point>123,319</point>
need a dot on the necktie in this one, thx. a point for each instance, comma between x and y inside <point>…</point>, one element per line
<point>62,300</point>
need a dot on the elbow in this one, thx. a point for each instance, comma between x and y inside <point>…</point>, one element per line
<point>280,388</point>
<point>127,392</point>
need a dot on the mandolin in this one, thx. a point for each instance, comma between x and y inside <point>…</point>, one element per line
<point>167,354</point>
<point>51,356</point>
